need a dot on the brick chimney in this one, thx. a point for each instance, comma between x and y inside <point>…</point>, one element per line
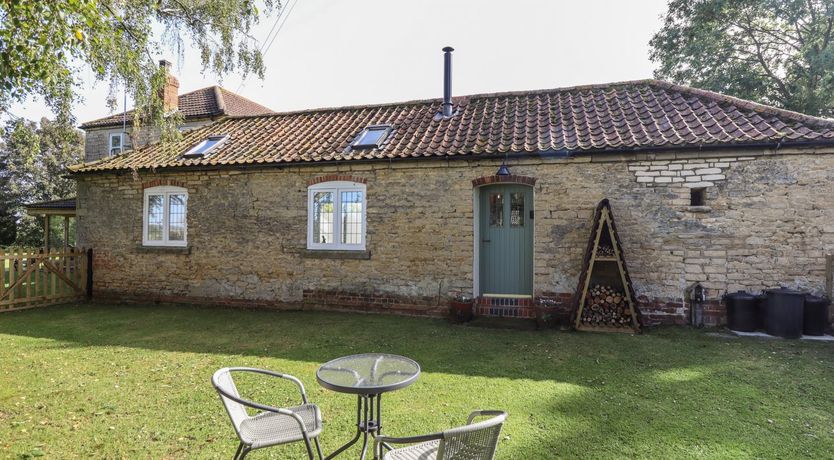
<point>170,93</point>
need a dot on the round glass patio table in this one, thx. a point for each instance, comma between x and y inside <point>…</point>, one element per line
<point>367,375</point>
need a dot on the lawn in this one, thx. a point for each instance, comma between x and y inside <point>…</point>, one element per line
<point>133,382</point>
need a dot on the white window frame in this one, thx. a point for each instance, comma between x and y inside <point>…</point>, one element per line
<point>110,143</point>
<point>166,191</point>
<point>336,187</point>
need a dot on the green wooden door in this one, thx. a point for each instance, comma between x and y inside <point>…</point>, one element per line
<point>506,234</point>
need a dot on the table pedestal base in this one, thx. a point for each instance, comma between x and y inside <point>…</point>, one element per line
<point>367,423</point>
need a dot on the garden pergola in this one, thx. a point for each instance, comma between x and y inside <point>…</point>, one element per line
<point>63,208</point>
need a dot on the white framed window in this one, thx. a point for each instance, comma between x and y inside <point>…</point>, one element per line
<point>164,216</point>
<point>116,143</point>
<point>336,216</point>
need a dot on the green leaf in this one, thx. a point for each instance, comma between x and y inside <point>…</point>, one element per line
<point>115,38</point>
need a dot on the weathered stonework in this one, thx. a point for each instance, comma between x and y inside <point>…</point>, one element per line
<point>767,223</point>
<point>97,140</point>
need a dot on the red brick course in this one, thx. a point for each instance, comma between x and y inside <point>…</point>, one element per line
<point>374,303</point>
<point>505,307</point>
<point>654,312</point>
<point>104,296</point>
<point>657,312</point>
<point>159,182</point>
<point>513,179</point>
<point>336,177</point>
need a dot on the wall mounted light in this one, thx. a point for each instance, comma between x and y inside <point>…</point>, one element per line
<point>503,170</point>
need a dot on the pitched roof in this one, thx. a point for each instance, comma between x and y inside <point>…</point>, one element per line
<point>61,203</point>
<point>627,116</point>
<point>207,102</point>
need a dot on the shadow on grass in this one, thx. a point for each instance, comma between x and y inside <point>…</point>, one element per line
<point>671,392</point>
<point>438,346</point>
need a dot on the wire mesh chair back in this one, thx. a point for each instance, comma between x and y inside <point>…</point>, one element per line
<point>477,441</point>
<point>237,412</point>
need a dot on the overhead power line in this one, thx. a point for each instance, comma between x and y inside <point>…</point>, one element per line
<point>283,15</point>
<point>272,29</point>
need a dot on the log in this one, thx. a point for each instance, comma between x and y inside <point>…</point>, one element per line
<point>605,251</point>
<point>605,306</point>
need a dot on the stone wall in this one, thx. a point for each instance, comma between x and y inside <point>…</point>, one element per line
<point>767,223</point>
<point>692,173</point>
<point>97,140</point>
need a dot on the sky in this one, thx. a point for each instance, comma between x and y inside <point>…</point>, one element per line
<point>332,53</point>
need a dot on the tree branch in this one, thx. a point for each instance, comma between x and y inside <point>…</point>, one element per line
<point>779,39</point>
<point>797,27</point>
<point>826,38</point>
<point>124,27</point>
<point>783,88</point>
<point>811,10</point>
<point>191,18</point>
<point>751,29</point>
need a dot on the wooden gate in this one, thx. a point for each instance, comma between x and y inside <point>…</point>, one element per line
<point>37,278</point>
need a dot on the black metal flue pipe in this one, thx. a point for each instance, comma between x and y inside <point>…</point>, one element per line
<point>447,81</point>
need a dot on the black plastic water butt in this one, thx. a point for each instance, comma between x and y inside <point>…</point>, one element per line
<point>741,311</point>
<point>785,309</point>
<point>815,315</point>
<point>761,312</point>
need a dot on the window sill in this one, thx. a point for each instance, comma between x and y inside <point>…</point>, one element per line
<point>164,249</point>
<point>699,209</point>
<point>335,254</point>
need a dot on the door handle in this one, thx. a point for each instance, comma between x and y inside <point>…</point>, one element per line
<point>486,241</point>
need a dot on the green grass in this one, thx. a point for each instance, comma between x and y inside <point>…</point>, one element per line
<point>133,382</point>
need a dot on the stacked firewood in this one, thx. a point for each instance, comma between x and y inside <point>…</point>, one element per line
<point>605,251</point>
<point>606,307</point>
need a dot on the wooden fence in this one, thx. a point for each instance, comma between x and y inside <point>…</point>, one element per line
<point>34,278</point>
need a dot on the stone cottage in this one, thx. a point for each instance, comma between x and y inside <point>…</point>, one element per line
<point>397,207</point>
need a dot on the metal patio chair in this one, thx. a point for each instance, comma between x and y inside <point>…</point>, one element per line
<point>273,425</point>
<point>473,441</point>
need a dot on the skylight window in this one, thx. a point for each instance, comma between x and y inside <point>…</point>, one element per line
<point>371,137</point>
<point>205,146</point>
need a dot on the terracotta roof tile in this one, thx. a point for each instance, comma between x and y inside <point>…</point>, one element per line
<point>632,116</point>
<point>206,102</point>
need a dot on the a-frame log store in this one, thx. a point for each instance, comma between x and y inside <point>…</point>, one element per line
<point>605,299</point>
